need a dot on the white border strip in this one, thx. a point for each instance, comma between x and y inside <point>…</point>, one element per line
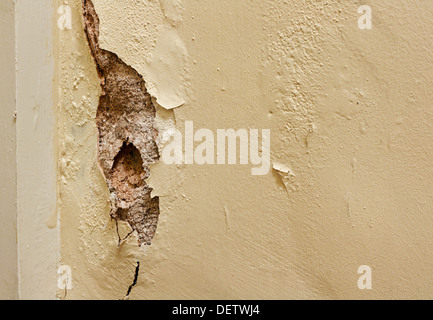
<point>38,249</point>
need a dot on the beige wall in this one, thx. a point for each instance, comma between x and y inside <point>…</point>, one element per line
<point>349,111</point>
<point>8,169</point>
<point>29,235</point>
<point>38,241</point>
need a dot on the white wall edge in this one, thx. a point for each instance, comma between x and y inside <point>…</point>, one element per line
<point>38,245</point>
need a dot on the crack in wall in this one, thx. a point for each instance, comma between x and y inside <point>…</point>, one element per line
<point>134,283</point>
<point>127,135</point>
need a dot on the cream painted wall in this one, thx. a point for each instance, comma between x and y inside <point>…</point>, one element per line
<point>349,111</point>
<point>8,170</point>
<point>29,235</point>
<point>38,240</point>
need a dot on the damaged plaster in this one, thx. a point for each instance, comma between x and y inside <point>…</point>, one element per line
<point>148,40</point>
<point>330,93</point>
<point>127,135</point>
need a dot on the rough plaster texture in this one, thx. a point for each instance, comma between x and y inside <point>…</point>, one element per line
<point>349,111</point>
<point>125,121</point>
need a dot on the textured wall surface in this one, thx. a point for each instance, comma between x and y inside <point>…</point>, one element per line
<point>349,111</point>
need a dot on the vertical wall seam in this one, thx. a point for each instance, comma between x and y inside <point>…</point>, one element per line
<point>17,152</point>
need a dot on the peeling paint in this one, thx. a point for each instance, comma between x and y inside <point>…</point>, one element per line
<point>127,135</point>
<point>298,69</point>
<point>167,65</point>
<point>287,176</point>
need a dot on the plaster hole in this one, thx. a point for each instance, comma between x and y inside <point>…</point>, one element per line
<point>128,175</point>
<point>127,136</point>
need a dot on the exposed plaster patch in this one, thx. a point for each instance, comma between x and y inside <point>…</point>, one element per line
<point>127,135</point>
<point>148,40</point>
